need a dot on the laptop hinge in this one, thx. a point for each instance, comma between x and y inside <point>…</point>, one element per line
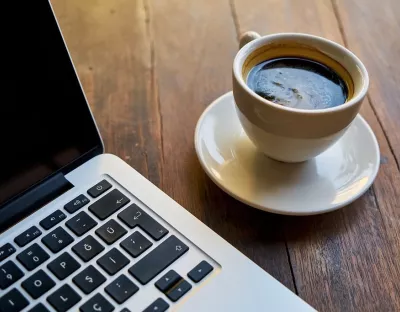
<point>33,199</point>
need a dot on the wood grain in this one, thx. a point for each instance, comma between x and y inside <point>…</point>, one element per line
<point>194,54</point>
<point>149,68</point>
<point>108,41</point>
<point>330,254</point>
<point>372,30</point>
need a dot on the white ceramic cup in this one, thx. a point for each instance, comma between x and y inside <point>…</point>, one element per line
<point>291,134</point>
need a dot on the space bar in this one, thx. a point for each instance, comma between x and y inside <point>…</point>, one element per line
<point>157,260</point>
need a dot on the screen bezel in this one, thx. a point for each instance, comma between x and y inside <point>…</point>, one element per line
<point>96,148</point>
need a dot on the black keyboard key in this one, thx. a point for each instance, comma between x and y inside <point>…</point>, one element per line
<point>6,250</point>
<point>179,290</point>
<point>99,188</point>
<point>89,279</point>
<point>113,261</point>
<point>158,259</point>
<point>52,220</point>
<point>200,271</point>
<point>125,310</point>
<point>64,298</point>
<point>136,244</point>
<point>32,257</point>
<point>81,223</point>
<point>38,284</point>
<point>76,204</point>
<point>39,308</point>
<point>111,232</point>
<point>27,236</point>
<point>9,274</point>
<point>57,240</point>
<point>168,281</point>
<point>121,289</point>
<point>157,306</point>
<point>97,304</point>
<point>134,216</point>
<point>13,301</point>
<point>88,248</point>
<point>63,266</point>
<point>109,204</point>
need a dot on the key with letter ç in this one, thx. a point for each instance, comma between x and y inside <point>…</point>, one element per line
<point>134,216</point>
<point>158,259</point>
<point>108,204</point>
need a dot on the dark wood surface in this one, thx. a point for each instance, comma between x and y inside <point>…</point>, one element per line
<point>149,69</point>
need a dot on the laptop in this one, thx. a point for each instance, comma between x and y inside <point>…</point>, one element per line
<point>81,230</point>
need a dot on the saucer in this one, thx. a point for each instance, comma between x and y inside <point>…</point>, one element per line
<point>330,181</point>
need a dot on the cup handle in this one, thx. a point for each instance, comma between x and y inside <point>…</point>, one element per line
<point>247,37</point>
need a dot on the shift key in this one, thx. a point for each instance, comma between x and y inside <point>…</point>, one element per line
<point>158,259</point>
<point>108,204</point>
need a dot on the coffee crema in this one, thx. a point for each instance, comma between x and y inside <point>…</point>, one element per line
<point>298,82</point>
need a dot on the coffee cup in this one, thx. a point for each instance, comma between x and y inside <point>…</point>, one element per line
<point>293,134</point>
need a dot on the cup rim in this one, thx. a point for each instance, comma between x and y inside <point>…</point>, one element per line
<point>245,51</point>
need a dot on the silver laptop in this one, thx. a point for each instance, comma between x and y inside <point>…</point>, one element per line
<point>83,231</point>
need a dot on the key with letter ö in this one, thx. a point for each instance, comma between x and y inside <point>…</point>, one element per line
<point>32,257</point>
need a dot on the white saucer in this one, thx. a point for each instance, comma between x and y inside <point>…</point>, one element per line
<point>330,181</point>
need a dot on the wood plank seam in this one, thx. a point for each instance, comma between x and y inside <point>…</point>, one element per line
<point>235,19</point>
<point>291,266</point>
<point>154,83</point>
<point>344,38</point>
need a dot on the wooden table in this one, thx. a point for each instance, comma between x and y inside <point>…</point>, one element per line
<point>149,69</point>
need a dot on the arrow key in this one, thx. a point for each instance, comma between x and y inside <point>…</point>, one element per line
<point>200,271</point>
<point>157,306</point>
<point>179,290</point>
<point>168,280</point>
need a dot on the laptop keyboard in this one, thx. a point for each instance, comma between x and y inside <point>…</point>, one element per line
<point>41,291</point>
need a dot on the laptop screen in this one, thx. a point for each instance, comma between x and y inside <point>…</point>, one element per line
<point>45,122</point>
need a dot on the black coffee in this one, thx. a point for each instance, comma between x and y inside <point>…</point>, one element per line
<point>298,83</point>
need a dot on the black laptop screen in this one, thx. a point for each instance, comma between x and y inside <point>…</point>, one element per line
<point>45,123</point>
